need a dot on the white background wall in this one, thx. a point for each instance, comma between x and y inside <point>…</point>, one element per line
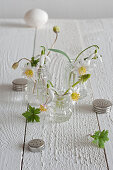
<point>58,8</point>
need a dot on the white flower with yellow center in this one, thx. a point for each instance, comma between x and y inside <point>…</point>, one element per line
<point>74,94</point>
<point>82,67</point>
<point>28,71</point>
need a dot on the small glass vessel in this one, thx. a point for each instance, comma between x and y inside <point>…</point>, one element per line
<point>61,108</point>
<point>37,92</point>
<point>71,77</point>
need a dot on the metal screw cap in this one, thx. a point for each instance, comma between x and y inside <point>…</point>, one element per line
<point>101,106</point>
<point>36,145</point>
<point>19,84</point>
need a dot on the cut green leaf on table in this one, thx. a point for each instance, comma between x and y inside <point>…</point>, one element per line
<point>100,138</point>
<point>31,114</point>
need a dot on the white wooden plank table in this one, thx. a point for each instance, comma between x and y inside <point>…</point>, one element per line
<point>67,144</point>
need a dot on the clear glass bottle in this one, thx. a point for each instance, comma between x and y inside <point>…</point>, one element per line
<point>61,108</point>
<point>71,77</point>
<point>37,92</point>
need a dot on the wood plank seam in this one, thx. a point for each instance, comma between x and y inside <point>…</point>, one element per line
<point>100,129</point>
<point>22,159</point>
<point>82,43</point>
<point>25,132</point>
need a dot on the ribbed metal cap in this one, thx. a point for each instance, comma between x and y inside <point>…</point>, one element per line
<point>19,84</point>
<point>102,106</point>
<point>36,145</point>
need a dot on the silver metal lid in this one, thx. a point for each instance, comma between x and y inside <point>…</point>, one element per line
<point>102,106</point>
<point>36,145</point>
<point>19,84</point>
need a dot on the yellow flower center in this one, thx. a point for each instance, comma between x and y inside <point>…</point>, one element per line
<point>82,70</point>
<point>75,96</point>
<point>42,108</point>
<point>29,73</point>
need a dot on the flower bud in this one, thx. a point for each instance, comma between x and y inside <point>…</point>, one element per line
<point>84,78</point>
<point>15,65</point>
<point>56,29</point>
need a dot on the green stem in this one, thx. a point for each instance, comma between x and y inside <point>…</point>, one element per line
<point>89,56</point>
<point>85,50</point>
<point>76,83</point>
<point>70,78</point>
<point>24,59</point>
<point>34,86</point>
<point>73,78</point>
<point>53,43</point>
<point>72,86</point>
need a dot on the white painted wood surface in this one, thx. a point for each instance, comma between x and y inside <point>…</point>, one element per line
<point>67,144</point>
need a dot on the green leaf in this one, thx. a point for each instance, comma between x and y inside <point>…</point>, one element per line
<point>100,138</point>
<point>29,119</point>
<point>61,52</point>
<point>31,114</point>
<point>27,114</point>
<point>50,83</point>
<point>95,141</point>
<point>34,62</point>
<point>101,143</point>
<point>37,111</point>
<point>37,118</point>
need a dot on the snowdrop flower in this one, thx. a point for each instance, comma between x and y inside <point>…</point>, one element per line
<point>42,59</point>
<point>96,55</point>
<point>74,94</point>
<point>82,67</point>
<point>94,58</point>
<point>48,59</point>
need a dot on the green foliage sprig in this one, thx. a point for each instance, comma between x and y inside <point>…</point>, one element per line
<point>61,52</point>
<point>100,138</point>
<point>82,79</point>
<point>34,62</point>
<point>96,46</point>
<point>31,114</point>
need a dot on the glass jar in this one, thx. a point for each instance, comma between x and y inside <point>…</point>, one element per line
<point>37,91</point>
<point>71,77</point>
<point>61,108</point>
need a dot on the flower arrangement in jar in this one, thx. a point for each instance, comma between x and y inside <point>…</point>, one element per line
<point>36,72</point>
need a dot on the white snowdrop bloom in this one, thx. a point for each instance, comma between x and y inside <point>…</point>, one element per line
<point>48,59</point>
<point>74,94</point>
<point>42,58</point>
<point>94,59</point>
<point>52,93</point>
<point>96,56</point>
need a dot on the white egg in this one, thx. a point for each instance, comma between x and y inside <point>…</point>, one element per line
<point>36,18</point>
